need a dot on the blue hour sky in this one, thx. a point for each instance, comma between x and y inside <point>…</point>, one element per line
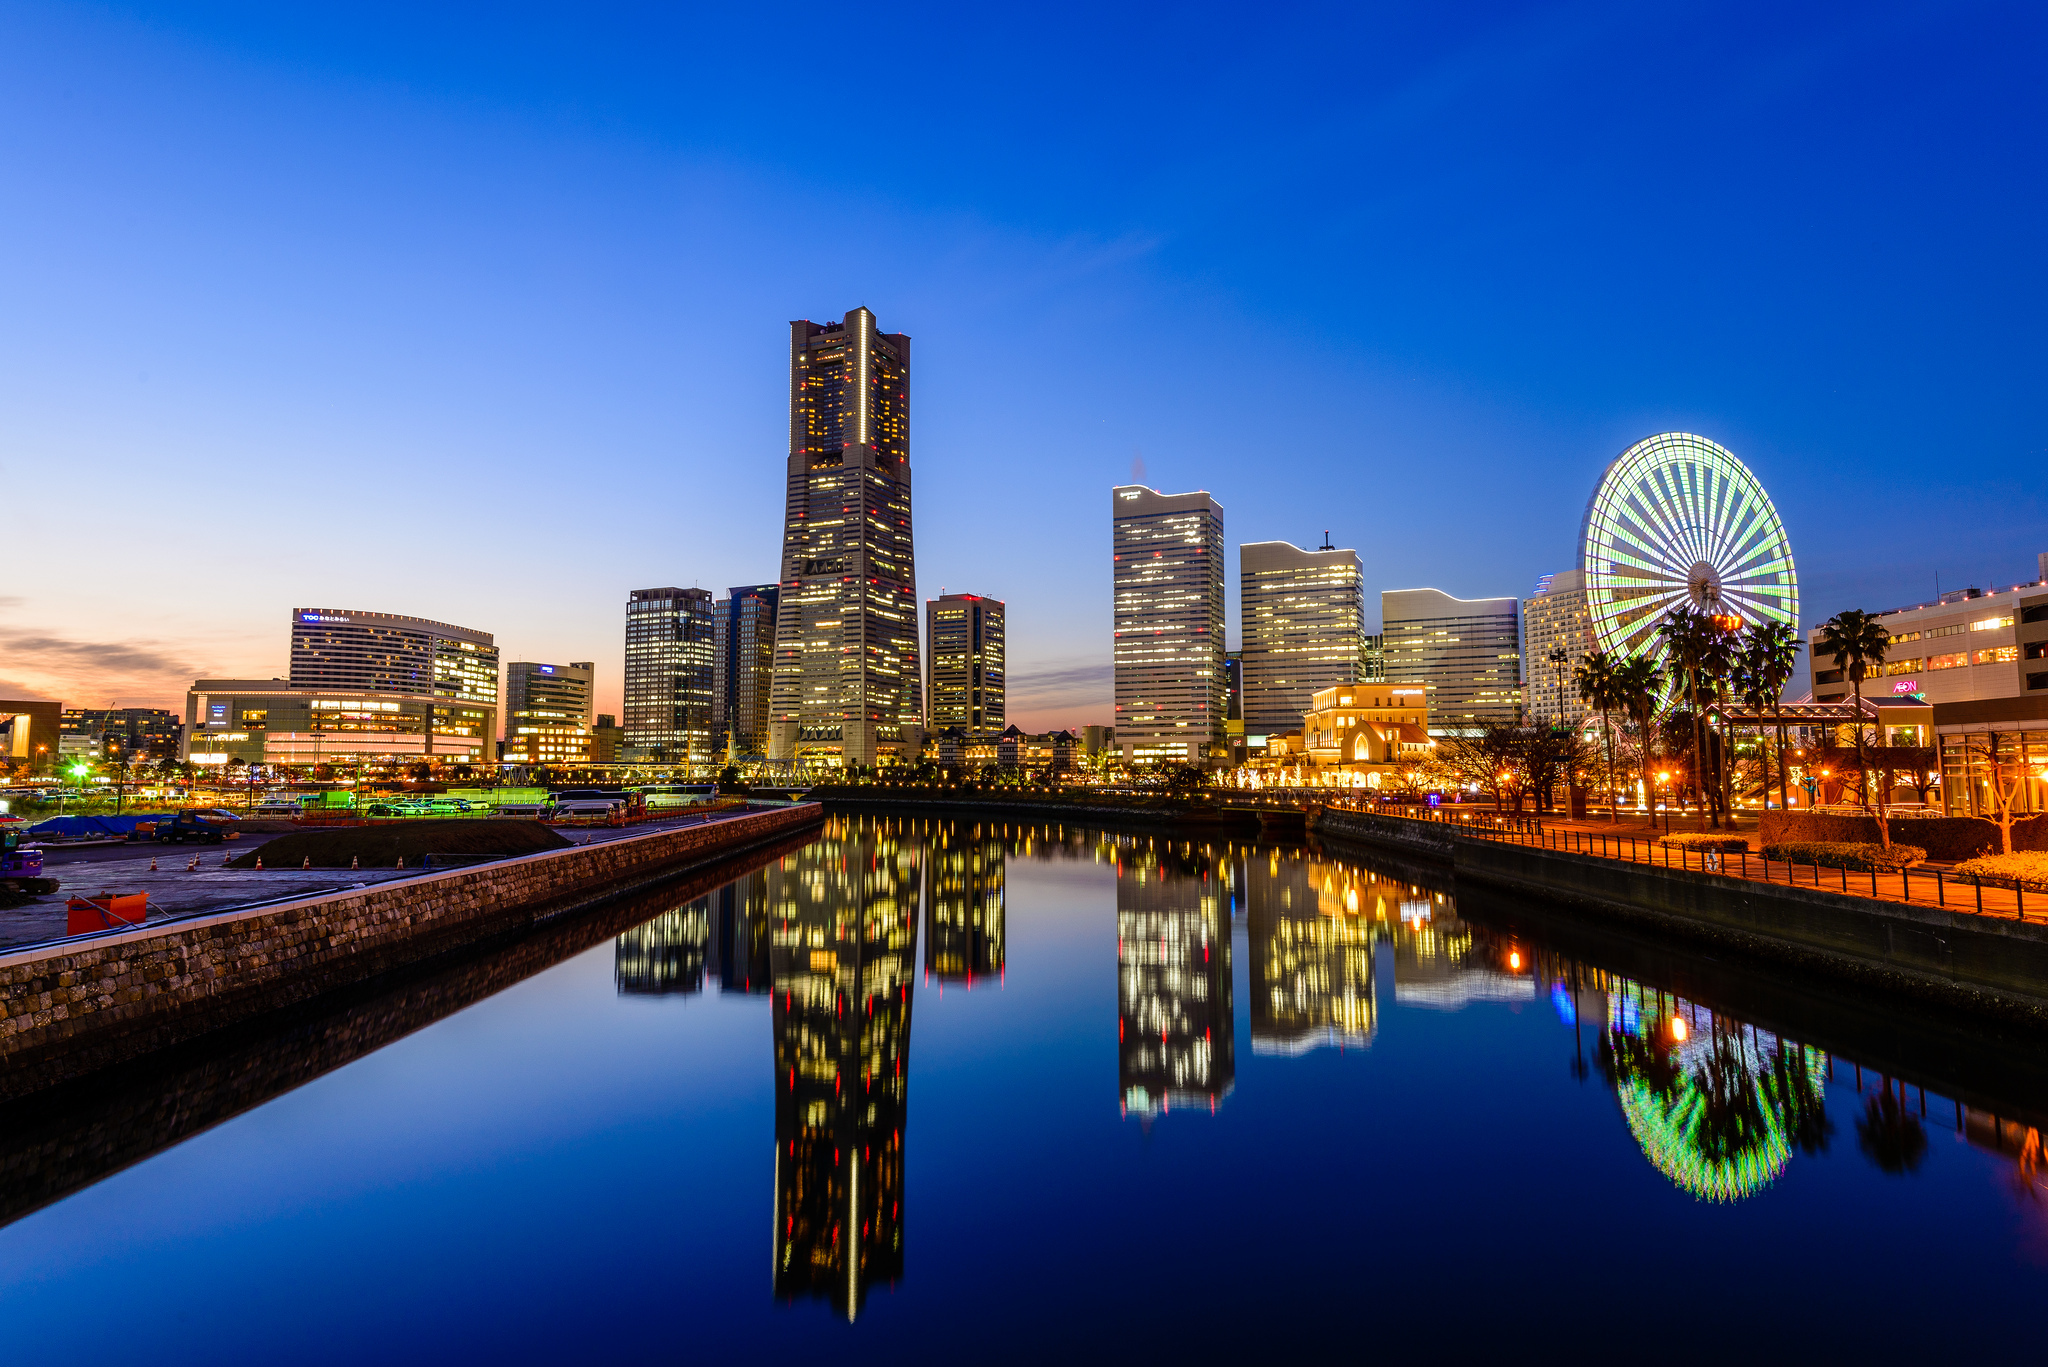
<point>480,313</point>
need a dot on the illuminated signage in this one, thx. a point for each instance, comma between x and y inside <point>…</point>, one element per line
<point>1906,686</point>
<point>1407,692</point>
<point>322,617</point>
<point>217,714</point>
<point>545,669</point>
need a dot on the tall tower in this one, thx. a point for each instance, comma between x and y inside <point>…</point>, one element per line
<point>846,661</point>
<point>1301,619</point>
<point>1168,576</point>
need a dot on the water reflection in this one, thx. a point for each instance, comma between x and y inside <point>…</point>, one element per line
<point>1312,955</point>
<point>844,948</point>
<point>1176,1036</point>
<point>963,921</point>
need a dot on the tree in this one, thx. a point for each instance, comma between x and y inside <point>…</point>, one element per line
<point>1763,666</point>
<point>1857,643</point>
<point>1596,679</point>
<point>1637,684</point>
<point>2005,780</point>
<point>1490,759</point>
<point>1697,645</point>
<point>1548,754</point>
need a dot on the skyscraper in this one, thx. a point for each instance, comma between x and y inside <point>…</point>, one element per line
<point>668,675</point>
<point>1554,620</point>
<point>1168,574</point>
<point>1301,619</point>
<point>1466,651</point>
<point>548,713</point>
<point>964,663</point>
<point>744,641</point>
<point>846,686</point>
<point>346,651</point>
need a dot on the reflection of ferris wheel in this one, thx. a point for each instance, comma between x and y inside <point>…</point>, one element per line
<point>1678,519</point>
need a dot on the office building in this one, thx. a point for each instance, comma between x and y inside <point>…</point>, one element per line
<point>343,653</point>
<point>29,734</point>
<point>1301,622</point>
<point>743,666</point>
<point>964,663</point>
<point>1372,659</point>
<point>1167,568</point>
<point>669,666</point>
<point>548,713</point>
<point>129,733</point>
<point>1176,1030</point>
<point>1555,623</point>
<point>1466,651</point>
<point>270,721</point>
<point>847,682</point>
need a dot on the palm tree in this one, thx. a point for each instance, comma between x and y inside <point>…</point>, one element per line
<point>1595,677</point>
<point>1764,664</point>
<point>1696,643</point>
<point>1637,682</point>
<point>1857,643</point>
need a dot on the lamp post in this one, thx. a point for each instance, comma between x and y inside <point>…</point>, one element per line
<point>1559,659</point>
<point>1663,778</point>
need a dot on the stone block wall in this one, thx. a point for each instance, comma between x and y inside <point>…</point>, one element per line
<point>70,1009</point>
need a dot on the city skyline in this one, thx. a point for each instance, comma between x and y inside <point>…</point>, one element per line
<point>1484,303</point>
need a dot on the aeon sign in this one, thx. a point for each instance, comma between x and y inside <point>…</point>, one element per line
<point>1906,686</point>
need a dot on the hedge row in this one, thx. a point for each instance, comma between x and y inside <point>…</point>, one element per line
<point>1704,840</point>
<point>1838,854</point>
<point>1944,837</point>
<point>2028,869</point>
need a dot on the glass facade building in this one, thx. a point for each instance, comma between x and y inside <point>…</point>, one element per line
<point>669,667</point>
<point>1301,624</point>
<point>1167,572</point>
<point>964,664</point>
<point>743,653</point>
<point>1467,652</point>
<point>846,688</point>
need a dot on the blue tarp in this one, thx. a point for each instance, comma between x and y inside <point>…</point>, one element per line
<point>93,827</point>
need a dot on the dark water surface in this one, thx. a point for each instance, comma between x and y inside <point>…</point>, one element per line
<point>919,1092</point>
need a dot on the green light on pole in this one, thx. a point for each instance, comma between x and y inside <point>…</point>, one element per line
<point>80,771</point>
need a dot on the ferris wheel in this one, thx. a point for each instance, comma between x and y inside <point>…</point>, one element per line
<point>1678,519</point>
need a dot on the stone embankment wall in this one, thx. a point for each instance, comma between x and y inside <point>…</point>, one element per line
<point>71,1009</point>
<point>1985,964</point>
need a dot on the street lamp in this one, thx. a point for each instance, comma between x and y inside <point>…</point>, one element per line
<point>1559,658</point>
<point>1663,778</point>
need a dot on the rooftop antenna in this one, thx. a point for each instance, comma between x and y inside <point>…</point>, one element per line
<point>1326,541</point>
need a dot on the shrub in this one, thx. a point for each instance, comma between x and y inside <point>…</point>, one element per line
<point>1704,840</point>
<point>1839,854</point>
<point>2028,869</point>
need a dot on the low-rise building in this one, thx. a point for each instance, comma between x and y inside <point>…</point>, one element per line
<point>607,740</point>
<point>269,721</point>
<point>547,713</point>
<point>1965,646</point>
<point>132,733</point>
<point>1368,729</point>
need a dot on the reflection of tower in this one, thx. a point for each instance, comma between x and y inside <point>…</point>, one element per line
<point>665,954</point>
<point>1174,1020</point>
<point>844,915</point>
<point>963,931</point>
<point>1312,955</point>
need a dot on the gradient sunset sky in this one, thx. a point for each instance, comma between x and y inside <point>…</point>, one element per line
<point>480,313</point>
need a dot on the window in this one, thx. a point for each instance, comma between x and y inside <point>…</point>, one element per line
<point>1828,676</point>
<point>1998,655</point>
<point>1901,666</point>
<point>1991,624</point>
<point>1955,661</point>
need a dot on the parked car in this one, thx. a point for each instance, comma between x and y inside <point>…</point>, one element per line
<point>280,806</point>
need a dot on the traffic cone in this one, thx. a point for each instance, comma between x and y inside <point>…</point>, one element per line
<point>259,863</point>
<point>226,859</point>
<point>355,861</point>
<point>152,863</point>
<point>401,861</point>
<point>308,864</point>
<point>193,867</point>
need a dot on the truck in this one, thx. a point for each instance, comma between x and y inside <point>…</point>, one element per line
<point>21,868</point>
<point>198,825</point>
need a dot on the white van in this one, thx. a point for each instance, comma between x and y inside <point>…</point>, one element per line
<point>280,806</point>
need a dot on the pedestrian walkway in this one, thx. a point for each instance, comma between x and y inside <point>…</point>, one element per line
<point>1927,885</point>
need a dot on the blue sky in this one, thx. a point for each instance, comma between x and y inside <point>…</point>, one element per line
<point>480,313</point>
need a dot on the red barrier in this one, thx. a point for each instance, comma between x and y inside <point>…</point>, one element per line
<point>105,912</point>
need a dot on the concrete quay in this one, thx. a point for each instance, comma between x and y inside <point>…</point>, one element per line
<point>72,1009</point>
<point>1952,956</point>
